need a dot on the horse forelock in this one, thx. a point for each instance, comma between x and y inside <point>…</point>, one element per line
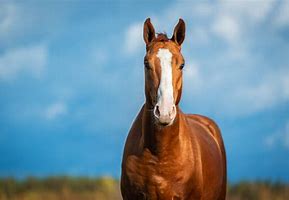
<point>161,37</point>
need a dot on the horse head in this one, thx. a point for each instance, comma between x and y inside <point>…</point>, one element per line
<point>163,71</point>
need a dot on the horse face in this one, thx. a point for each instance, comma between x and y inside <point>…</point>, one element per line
<point>163,71</point>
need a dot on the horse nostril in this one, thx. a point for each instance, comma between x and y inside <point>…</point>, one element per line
<point>157,111</point>
<point>173,113</point>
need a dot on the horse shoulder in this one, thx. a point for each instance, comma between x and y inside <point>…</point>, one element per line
<point>213,129</point>
<point>209,125</point>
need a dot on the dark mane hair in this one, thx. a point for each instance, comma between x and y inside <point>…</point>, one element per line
<point>162,37</point>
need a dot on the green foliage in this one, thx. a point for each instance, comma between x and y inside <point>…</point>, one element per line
<point>106,188</point>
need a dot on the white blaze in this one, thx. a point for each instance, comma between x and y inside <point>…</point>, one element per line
<point>165,90</point>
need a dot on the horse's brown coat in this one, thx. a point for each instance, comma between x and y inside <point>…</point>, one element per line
<point>183,161</point>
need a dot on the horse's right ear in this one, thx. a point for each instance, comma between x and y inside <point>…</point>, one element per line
<point>148,31</point>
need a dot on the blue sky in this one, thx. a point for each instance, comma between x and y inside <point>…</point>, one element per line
<point>71,82</point>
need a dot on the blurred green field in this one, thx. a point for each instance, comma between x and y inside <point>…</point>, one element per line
<point>106,188</point>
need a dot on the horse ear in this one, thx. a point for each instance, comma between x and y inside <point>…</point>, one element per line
<point>179,32</point>
<point>148,31</point>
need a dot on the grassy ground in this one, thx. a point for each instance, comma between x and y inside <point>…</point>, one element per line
<point>72,188</point>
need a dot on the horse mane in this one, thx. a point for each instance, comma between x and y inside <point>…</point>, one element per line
<point>161,37</point>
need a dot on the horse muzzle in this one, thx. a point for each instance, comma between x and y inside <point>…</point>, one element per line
<point>165,115</point>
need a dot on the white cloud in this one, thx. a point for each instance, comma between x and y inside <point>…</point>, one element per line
<point>236,18</point>
<point>282,19</point>
<point>192,75</point>
<point>285,85</point>
<point>133,38</point>
<point>8,16</point>
<point>255,97</point>
<point>55,110</point>
<point>198,35</point>
<point>203,10</point>
<point>279,138</point>
<point>99,57</point>
<point>250,11</point>
<point>20,22</point>
<point>227,28</point>
<point>231,92</point>
<point>31,59</point>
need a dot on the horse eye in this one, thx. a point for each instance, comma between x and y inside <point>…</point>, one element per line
<point>146,64</point>
<point>182,66</point>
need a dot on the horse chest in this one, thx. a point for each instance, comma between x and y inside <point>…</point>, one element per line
<point>155,179</point>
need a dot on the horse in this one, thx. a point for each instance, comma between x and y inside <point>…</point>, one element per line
<point>169,155</point>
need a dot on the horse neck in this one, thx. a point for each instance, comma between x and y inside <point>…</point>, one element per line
<point>159,140</point>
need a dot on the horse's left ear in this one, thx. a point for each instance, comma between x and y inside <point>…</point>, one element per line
<point>179,32</point>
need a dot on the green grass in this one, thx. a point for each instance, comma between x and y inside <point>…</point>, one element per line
<point>106,188</point>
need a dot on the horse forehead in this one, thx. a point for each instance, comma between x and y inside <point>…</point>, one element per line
<point>164,45</point>
<point>164,54</point>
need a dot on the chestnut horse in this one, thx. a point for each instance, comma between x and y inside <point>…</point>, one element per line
<point>170,155</point>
